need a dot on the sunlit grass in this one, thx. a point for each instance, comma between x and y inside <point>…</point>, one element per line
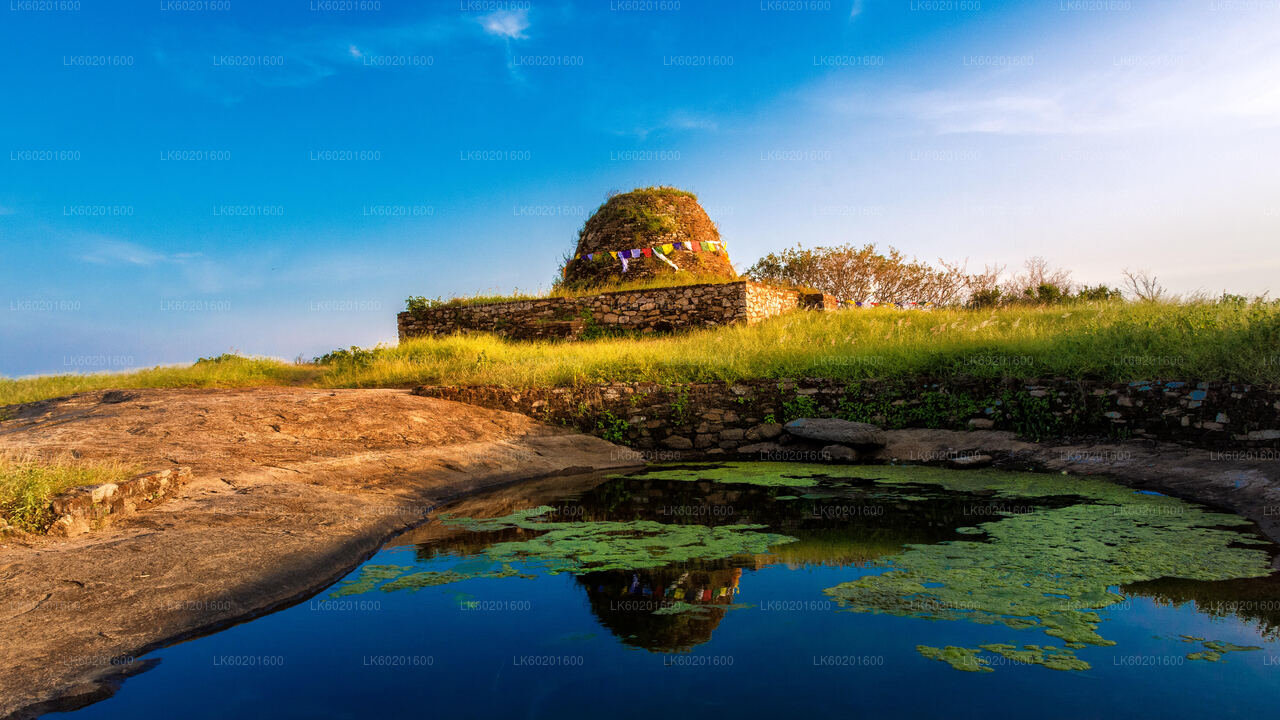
<point>223,371</point>
<point>1112,341</point>
<point>27,485</point>
<point>1104,341</point>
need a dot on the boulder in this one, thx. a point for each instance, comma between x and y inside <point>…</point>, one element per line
<point>832,430</point>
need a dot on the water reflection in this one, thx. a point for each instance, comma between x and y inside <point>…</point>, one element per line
<point>850,523</point>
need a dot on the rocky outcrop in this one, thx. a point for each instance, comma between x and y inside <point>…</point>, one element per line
<point>835,430</point>
<point>289,489</point>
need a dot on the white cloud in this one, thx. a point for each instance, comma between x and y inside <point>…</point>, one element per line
<point>674,121</point>
<point>354,52</point>
<point>105,251</point>
<point>1167,80</point>
<point>508,24</point>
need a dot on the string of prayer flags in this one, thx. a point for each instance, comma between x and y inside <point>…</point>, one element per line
<point>661,252</point>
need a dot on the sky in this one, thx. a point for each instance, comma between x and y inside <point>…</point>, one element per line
<point>190,177</point>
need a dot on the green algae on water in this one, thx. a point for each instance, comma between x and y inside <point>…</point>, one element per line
<point>767,474</point>
<point>1046,655</point>
<point>577,547</point>
<point>419,580</point>
<point>393,577</point>
<point>1215,649</point>
<point>1052,568</point>
<point>370,576</point>
<point>965,659</point>
<point>589,546</point>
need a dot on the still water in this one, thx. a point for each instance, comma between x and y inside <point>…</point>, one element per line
<point>763,590</point>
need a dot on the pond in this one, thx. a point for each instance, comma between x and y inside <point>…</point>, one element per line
<point>759,589</point>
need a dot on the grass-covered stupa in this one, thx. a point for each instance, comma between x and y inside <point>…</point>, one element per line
<point>659,231</point>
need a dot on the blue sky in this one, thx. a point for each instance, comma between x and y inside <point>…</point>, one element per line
<point>181,179</point>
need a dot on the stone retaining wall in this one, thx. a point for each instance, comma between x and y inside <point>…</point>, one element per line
<point>713,418</point>
<point>653,310</point>
<point>82,509</point>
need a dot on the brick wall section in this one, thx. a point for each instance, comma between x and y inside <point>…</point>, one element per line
<point>718,417</point>
<point>659,309</point>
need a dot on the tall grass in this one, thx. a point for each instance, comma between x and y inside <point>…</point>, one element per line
<point>27,485</point>
<point>1104,340</point>
<point>221,371</point>
<point>1114,341</point>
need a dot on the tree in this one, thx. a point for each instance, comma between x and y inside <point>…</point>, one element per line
<point>1142,285</point>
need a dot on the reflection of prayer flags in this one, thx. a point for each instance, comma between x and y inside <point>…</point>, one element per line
<point>648,252</point>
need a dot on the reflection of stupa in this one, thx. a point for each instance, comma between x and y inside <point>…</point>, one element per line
<point>648,608</point>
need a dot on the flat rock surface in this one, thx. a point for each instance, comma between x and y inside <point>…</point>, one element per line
<point>833,430</point>
<point>291,488</point>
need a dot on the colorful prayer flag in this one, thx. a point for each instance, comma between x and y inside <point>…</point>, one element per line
<point>664,259</point>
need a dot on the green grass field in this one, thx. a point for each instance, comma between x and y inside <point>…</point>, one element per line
<point>1114,341</point>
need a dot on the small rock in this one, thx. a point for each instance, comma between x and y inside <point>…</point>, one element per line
<point>763,448</point>
<point>832,430</point>
<point>767,431</point>
<point>677,442</point>
<point>840,453</point>
<point>966,462</point>
<point>982,424</point>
